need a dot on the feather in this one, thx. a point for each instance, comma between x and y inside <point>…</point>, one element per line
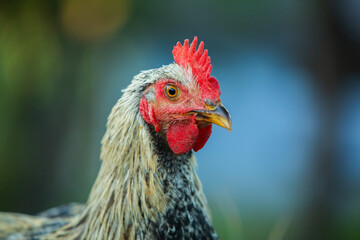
<point>143,189</point>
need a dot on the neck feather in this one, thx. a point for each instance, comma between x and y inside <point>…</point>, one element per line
<point>128,189</point>
<point>139,181</point>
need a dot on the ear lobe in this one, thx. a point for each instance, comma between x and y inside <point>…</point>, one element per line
<point>148,113</point>
<point>150,94</point>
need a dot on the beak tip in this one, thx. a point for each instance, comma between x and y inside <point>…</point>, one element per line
<point>219,116</point>
<point>229,127</point>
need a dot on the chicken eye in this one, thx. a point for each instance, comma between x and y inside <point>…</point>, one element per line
<point>171,91</point>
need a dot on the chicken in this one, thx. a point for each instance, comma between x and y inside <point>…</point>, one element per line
<point>147,186</point>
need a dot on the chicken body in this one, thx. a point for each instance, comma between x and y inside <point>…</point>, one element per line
<point>147,187</point>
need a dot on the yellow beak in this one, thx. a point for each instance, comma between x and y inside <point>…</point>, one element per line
<point>214,114</point>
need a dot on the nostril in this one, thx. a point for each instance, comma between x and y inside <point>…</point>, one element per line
<point>209,102</point>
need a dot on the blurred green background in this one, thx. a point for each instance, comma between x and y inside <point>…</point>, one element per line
<point>290,76</point>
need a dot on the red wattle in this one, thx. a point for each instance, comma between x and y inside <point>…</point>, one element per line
<point>182,136</point>
<point>148,113</point>
<point>203,136</point>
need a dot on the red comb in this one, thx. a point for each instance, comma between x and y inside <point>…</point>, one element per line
<point>198,60</point>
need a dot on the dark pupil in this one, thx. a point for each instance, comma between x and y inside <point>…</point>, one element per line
<point>172,91</point>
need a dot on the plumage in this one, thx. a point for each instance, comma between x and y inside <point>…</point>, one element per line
<point>147,186</point>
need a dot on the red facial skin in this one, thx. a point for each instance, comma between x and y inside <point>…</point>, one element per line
<point>183,133</point>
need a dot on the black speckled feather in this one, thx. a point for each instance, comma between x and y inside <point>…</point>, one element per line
<point>187,218</point>
<point>143,190</point>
